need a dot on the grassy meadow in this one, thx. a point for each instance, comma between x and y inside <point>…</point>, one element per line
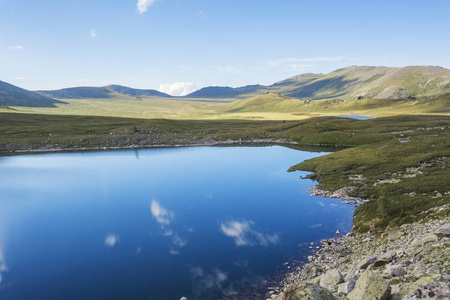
<point>399,161</point>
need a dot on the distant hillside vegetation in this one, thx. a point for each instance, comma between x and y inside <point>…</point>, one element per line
<point>349,83</point>
<point>228,92</point>
<point>109,91</point>
<point>11,95</point>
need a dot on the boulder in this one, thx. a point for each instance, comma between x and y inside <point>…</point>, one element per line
<point>444,231</point>
<point>394,234</point>
<point>183,298</point>
<point>306,291</point>
<point>331,279</point>
<point>370,286</point>
<point>384,260</point>
<point>395,270</point>
<point>346,287</point>
<point>367,261</point>
<point>407,288</point>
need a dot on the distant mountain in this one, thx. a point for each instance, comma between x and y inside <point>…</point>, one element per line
<point>11,95</point>
<point>109,91</point>
<point>227,92</point>
<point>348,83</point>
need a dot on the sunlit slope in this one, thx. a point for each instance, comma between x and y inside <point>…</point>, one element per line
<point>349,83</point>
<point>276,103</point>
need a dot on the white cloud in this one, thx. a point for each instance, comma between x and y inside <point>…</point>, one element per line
<point>18,47</point>
<point>93,33</point>
<point>178,88</point>
<point>244,235</point>
<point>111,240</point>
<point>143,5</point>
<point>228,69</point>
<point>162,215</point>
<point>20,78</point>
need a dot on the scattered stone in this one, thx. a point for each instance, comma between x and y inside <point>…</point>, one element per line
<point>395,270</point>
<point>444,231</point>
<point>338,232</point>
<point>365,262</point>
<point>434,290</point>
<point>394,234</point>
<point>428,239</point>
<point>370,286</point>
<point>183,298</point>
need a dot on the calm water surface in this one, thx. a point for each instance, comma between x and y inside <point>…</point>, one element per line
<point>154,224</point>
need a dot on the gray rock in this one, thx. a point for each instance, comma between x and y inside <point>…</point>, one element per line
<point>394,234</point>
<point>434,290</point>
<point>370,286</point>
<point>346,287</point>
<point>365,262</point>
<point>395,270</point>
<point>383,260</point>
<point>352,276</point>
<point>444,231</point>
<point>306,291</point>
<point>428,239</point>
<point>331,279</point>
<point>183,298</point>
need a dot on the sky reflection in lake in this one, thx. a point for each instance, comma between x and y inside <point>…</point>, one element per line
<point>154,224</point>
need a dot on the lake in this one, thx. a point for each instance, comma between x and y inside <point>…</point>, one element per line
<point>157,224</point>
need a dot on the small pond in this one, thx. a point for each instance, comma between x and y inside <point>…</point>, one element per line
<point>154,224</point>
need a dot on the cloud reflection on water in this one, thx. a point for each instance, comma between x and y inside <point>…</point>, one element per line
<point>162,215</point>
<point>111,240</point>
<point>244,235</point>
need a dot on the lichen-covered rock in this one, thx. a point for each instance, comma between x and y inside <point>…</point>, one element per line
<point>394,234</point>
<point>434,290</point>
<point>428,239</point>
<point>395,270</point>
<point>307,291</point>
<point>331,279</point>
<point>407,288</point>
<point>367,261</point>
<point>370,286</point>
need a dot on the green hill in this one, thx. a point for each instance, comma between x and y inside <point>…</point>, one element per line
<point>349,83</point>
<point>11,95</point>
<point>105,92</point>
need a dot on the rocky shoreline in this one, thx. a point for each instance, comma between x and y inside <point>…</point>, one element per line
<point>409,262</point>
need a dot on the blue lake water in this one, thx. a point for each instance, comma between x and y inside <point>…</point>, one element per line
<point>154,224</point>
<point>357,117</point>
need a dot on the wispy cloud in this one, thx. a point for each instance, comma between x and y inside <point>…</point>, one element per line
<point>17,47</point>
<point>244,235</point>
<point>93,33</point>
<point>161,214</point>
<point>178,88</point>
<point>228,69</point>
<point>143,5</point>
<point>20,78</point>
<point>111,240</point>
<point>199,14</point>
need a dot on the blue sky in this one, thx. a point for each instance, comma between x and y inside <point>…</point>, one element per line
<point>180,45</point>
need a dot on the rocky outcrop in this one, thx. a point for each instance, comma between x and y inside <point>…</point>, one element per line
<point>410,262</point>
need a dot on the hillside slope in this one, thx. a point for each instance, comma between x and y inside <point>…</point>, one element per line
<point>11,95</point>
<point>349,83</point>
<point>109,91</point>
